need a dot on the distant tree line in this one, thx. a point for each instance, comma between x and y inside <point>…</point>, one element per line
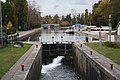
<point>26,15</point>
<point>68,19</point>
<point>98,17</point>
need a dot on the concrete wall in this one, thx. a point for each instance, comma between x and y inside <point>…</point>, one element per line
<point>35,69</point>
<point>27,34</point>
<point>92,67</point>
<point>32,61</point>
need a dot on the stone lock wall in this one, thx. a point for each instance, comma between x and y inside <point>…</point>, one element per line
<point>88,67</point>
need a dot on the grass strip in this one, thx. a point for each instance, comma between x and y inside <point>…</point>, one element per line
<point>9,55</point>
<point>111,53</point>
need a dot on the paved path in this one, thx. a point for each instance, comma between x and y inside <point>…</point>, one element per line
<point>23,33</point>
<point>104,35</point>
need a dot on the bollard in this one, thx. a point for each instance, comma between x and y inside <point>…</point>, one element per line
<point>22,67</point>
<point>57,42</point>
<point>90,52</point>
<point>41,42</point>
<point>81,45</point>
<point>36,46</point>
<point>111,66</point>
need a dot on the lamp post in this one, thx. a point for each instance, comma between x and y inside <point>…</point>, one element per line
<point>100,40</point>
<point>1,25</point>
<point>110,28</point>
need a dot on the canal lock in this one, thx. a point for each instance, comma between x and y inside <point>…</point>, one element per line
<point>64,71</point>
<point>51,51</point>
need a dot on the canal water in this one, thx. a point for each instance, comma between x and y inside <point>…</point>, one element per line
<point>57,70</point>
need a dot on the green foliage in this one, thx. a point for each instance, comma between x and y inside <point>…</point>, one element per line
<point>86,17</point>
<point>15,11</point>
<point>22,13</point>
<point>103,9</point>
<point>12,30</point>
<point>112,44</point>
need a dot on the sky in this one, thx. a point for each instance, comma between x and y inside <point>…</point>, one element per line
<point>63,7</point>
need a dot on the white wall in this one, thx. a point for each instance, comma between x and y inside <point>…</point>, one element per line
<point>118,30</point>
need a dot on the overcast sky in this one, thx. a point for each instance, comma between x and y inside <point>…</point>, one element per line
<point>63,7</point>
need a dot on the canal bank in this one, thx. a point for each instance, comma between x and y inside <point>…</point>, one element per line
<point>25,34</point>
<point>87,63</point>
<point>93,66</point>
<point>28,67</point>
<point>31,60</point>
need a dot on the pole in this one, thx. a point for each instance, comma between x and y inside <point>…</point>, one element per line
<point>100,40</point>
<point>110,28</point>
<point>1,24</point>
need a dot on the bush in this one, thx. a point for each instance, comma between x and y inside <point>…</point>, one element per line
<point>9,31</point>
<point>112,44</point>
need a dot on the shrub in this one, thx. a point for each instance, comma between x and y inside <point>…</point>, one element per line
<point>112,44</point>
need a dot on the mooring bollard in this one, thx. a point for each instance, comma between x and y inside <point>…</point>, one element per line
<point>81,45</point>
<point>41,42</point>
<point>90,52</point>
<point>111,66</point>
<point>22,67</point>
<point>36,46</point>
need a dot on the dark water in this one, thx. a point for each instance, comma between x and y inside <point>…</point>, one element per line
<point>57,71</point>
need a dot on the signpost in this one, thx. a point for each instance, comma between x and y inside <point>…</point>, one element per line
<point>110,28</point>
<point>9,25</point>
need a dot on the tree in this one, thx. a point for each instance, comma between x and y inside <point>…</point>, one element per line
<point>86,17</point>
<point>34,15</point>
<point>56,19</point>
<point>22,13</point>
<point>82,19</point>
<point>115,12</point>
<point>103,9</point>
<point>78,18</point>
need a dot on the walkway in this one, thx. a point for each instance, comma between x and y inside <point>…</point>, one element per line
<point>102,61</point>
<point>23,33</point>
<point>104,35</point>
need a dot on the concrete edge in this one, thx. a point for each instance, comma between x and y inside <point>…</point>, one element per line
<point>27,59</point>
<point>101,61</point>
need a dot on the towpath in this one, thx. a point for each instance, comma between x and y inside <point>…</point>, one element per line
<point>104,35</point>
